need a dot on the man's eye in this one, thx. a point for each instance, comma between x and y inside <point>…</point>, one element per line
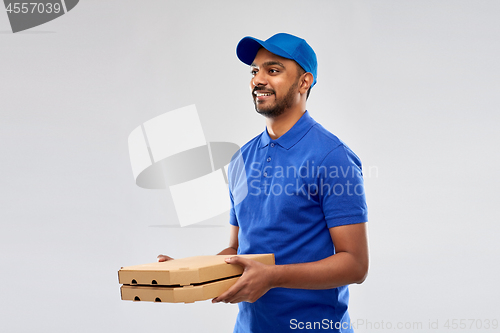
<point>273,71</point>
<point>253,72</point>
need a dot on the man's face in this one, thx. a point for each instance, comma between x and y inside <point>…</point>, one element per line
<point>274,83</point>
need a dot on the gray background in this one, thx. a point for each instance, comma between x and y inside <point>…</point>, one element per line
<point>411,86</point>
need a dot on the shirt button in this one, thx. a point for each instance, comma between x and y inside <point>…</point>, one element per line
<point>269,159</point>
<point>265,174</point>
<point>272,145</point>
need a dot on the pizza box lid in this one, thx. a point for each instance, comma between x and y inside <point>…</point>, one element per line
<point>186,271</point>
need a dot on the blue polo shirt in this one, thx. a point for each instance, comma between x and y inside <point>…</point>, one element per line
<point>285,195</point>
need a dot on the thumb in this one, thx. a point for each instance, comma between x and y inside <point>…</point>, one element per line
<point>243,262</point>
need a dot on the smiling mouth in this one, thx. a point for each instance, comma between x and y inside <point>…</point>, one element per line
<point>261,94</point>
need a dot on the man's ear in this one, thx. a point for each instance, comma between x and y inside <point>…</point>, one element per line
<point>305,82</point>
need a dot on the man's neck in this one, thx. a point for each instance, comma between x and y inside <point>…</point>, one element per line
<point>278,126</point>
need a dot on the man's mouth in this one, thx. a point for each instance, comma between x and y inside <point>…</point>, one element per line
<point>260,94</point>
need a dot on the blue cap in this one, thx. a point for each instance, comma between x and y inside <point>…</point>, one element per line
<point>284,45</point>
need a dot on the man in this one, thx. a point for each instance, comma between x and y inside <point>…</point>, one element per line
<point>303,201</point>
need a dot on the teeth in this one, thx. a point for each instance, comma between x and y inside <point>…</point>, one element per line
<point>262,94</point>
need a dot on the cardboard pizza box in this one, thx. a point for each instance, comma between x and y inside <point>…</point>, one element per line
<point>183,280</point>
<point>184,294</point>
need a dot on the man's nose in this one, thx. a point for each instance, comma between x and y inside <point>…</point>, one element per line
<point>259,80</point>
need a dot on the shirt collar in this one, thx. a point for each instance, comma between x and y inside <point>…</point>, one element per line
<point>293,135</point>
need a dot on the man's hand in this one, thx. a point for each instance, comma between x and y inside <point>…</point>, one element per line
<point>163,257</point>
<point>255,281</point>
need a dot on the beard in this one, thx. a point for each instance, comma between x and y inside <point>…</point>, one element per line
<point>279,106</point>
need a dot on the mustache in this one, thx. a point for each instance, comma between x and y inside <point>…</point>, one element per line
<point>255,89</point>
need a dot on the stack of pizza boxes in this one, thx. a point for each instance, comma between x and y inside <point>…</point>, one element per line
<point>184,280</point>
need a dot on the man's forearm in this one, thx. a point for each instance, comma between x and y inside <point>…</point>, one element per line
<point>338,270</point>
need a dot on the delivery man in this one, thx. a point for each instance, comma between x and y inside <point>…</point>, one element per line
<point>304,202</point>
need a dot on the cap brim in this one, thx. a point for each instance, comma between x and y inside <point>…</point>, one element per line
<point>247,49</point>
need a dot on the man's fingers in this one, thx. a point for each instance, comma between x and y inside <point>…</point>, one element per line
<point>238,261</point>
<point>224,297</point>
<point>240,291</point>
<point>163,257</point>
<point>228,294</point>
<point>237,300</point>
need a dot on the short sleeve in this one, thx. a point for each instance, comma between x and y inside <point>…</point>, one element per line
<point>342,195</point>
<point>232,215</point>
<point>238,188</point>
